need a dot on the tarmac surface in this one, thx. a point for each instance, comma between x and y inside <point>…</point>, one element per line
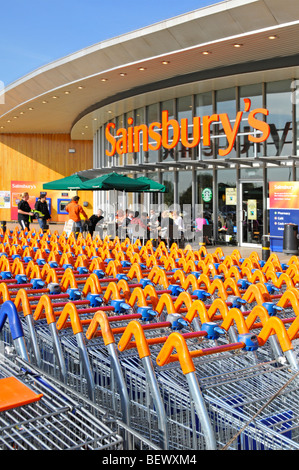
<point>227,249</point>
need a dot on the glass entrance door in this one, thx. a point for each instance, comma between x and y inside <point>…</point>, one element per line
<point>252,213</point>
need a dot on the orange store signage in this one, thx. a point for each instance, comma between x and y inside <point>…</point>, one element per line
<point>156,134</point>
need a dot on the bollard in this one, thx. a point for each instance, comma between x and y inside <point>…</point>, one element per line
<point>265,248</point>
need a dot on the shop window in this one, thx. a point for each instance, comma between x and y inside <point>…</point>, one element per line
<point>279,104</point>
<point>168,154</point>
<point>204,107</point>
<point>255,94</point>
<point>225,103</point>
<point>184,111</point>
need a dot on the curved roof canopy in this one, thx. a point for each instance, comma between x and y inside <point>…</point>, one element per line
<point>79,92</point>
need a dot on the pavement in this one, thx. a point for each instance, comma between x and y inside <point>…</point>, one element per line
<point>227,249</point>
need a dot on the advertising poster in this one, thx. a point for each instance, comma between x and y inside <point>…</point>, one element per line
<point>252,209</point>
<point>284,209</point>
<point>231,196</point>
<point>34,188</point>
<point>4,199</point>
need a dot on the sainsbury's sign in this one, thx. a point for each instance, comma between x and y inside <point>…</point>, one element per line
<point>157,135</point>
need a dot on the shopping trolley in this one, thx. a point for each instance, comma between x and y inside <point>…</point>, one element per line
<point>34,415</point>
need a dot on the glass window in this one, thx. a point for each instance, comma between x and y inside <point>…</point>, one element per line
<point>254,93</point>
<point>279,104</point>
<point>225,104</point>
<point>185,187</point>
<point>226,179</point>
<point>204,181</point>
<point>167,180</point>
<point>153,116</point>
<point>204,107</point>
<point>108,161</point>
<point>168,154</point>
<point>139,118</point>
<point>184,111</point>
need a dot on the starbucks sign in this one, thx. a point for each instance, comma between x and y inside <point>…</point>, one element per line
<point>207,194</point>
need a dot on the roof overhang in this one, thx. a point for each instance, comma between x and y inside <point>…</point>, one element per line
<point>79,92</point>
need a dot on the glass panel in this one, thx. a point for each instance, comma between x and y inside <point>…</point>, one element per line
<point>167,180</point>
<point>279,104</point>
<point>184,111</point>
<point>139,119</point>
<point>185,187</point>
<point>205,180</point>
<point>168,154</point>
<point>204,107</point>
<point>252,213</point>
<point>108,161</point>
<point>153,116</point>
<point>225,103</point>
<point>254,93</point>
<point>226,179</point>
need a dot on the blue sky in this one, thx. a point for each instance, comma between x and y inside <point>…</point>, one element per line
<point>36,32</point>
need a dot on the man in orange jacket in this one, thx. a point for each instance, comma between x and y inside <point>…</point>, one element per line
<point>75,210</point>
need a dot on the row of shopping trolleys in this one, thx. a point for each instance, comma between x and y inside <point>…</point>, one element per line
<point>185,365</point>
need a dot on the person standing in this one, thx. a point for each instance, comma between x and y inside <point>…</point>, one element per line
<point>24,212</point>
<point>41,206</point>
<point>94,220</point>
<point>75,210</point>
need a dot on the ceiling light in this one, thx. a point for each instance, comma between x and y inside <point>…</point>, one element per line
<point>122,74</point>
<point>8,120</point>
<point>238,45</point>
<point>141,68</point>
<point>273,36</point>
<point>95,119</point>
<point>2,127</point>
<point>21,112</point>
<point>80,87</point>
<point>165,62</point>
<point>16,117</point>
<point>104,79</point>
<point>67,92</point>
<point>45,102</point>
<point>55,97</point>
<point>30,109</point>
<point>206,53</point>
<point>86,127</point>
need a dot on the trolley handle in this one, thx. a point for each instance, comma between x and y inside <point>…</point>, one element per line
<point>70,310</point>
<point>45,305</point>
<point>9,311</point>
<point>135,329</point>
<point>176,341</point>
<point>184,356</point>
<point>100,319</point>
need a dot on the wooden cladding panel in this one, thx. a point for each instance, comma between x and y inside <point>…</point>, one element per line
<point>42,158</point>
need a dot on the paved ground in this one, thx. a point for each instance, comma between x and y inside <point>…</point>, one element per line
<point>244,251</point>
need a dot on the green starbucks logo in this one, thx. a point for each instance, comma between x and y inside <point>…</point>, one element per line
<point>207,195</point>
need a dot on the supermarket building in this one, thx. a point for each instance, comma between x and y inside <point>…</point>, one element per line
<point>205,103</point>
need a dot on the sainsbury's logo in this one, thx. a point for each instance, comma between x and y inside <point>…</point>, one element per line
<point>157,134</point>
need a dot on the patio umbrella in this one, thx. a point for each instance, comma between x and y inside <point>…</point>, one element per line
<point>154,186</point>
<point>69,182</point>
<point>117,182</point>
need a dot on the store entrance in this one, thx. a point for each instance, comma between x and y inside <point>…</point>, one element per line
<point>252,213</point>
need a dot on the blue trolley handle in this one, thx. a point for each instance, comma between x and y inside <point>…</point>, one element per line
<point>9,312</point>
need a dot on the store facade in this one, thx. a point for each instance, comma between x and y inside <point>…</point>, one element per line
<point>189,163</point>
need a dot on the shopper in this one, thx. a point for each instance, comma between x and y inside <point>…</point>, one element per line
<point>94,220</point>
<point>178,228</point>
<point>75,211</point>
<point>41,206</point>
<point>24,212</point>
